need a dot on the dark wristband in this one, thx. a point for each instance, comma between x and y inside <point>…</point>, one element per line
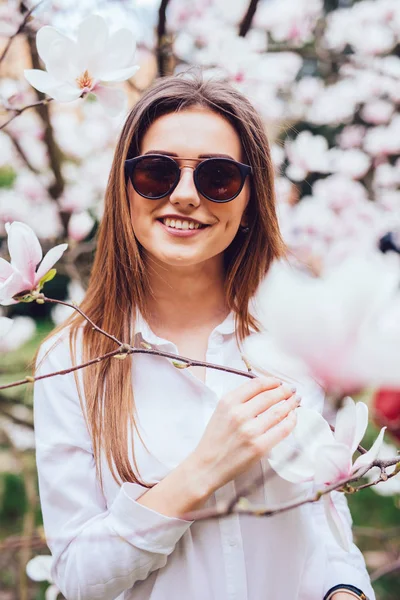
<point>343,587</point>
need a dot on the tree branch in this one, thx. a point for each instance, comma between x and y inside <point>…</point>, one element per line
<point>19,111</point>
<point>247,20</point>
<point>19,30</point>
<point>161,49</point>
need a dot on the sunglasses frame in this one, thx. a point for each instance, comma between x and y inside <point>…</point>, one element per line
<point>130,164</point>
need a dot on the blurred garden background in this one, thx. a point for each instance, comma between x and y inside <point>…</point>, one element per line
<point>325,76</point>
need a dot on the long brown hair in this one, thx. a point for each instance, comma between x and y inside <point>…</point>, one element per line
<point>118,284</point>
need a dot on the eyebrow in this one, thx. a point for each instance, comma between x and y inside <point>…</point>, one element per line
<point>166,153</point>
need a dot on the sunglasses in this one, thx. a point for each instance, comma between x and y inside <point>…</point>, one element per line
<point>155,176</point>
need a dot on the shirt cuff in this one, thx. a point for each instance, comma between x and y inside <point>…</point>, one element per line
<point>350,574</point>
<point>143,527</point>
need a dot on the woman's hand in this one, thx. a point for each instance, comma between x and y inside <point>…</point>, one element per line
<point>246,424</point>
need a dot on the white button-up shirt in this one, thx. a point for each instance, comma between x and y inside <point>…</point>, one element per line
<point>105,545</point>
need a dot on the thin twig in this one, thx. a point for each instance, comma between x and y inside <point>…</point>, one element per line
<point>385,570</point>
<point>21,152</point>
<point>19,111</point>
<point>19,30</point>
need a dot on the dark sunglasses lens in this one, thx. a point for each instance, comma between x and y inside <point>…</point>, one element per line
<point>219,179</point>
<point>154,176</point>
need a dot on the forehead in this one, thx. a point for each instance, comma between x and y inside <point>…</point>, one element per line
<point>192,132</point>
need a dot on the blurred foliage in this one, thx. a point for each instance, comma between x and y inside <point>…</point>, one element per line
<point>7,176</point>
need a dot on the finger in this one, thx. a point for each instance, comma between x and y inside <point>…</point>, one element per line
<point>260,403</point>
<point>253,387</point>
<point>273,416</point>
<point>279,432</point>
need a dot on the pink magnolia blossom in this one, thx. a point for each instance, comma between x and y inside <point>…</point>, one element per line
<point>334,324</point>
<point>20,277</point>
<point>314,453</point>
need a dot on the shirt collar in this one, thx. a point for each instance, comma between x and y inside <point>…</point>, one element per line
<point>227,327</point>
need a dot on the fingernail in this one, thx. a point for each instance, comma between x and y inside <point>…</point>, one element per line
<point>293,389</point>
<point>298,399</point>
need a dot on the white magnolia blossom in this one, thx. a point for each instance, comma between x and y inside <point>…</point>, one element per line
<point>314,453</point>
<point>76,68</point>
<point>23,328</point>
<point>288,21</point>
<point>80,225</point>
<point>39,569</point>
<point>307,153</point>
<point>5,327</point>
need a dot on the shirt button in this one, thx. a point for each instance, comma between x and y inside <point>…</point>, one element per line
<point>232,542</point>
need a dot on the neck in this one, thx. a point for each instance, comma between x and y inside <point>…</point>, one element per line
<point>183,298</point>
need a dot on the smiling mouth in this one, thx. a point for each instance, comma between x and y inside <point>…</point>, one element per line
<point>182,224</point>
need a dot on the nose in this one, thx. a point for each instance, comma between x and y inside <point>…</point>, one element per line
<point>185,194</point>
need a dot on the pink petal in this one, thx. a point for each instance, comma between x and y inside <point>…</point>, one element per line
<point>371,455</point>
<point>311,432</point>
<point>25,250</point>
<point>335,522</point>
<point>49,260</point>
<point>361,424</point>
<point>345,426</point>
<point>5,270</point>
<point>333,463</point>
<point>12,286</point>
<point>113,100</point>
<point>290,463</point>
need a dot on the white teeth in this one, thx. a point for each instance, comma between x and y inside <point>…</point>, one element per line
<point>178,224</point>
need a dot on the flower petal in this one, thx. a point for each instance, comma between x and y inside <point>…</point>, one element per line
<point>25,250</point>
<point>345,426</point>
<point>52,592</point>
<point>92,39</point>
<point>120,50</point>
<point>290,463</point>
<point>39,568</point>
<point>120,74</point>
<point>335,522</point>
<point>5,326</point>
<point>45,39</point>
<point>361,424</point>
<point>368,457</point>
<point>333,463</point>
<point>113,100</point>
<point>40,80</point>
<point>5,270</point>
<point>11,287</point>
<point>49,260</point>
<point>312,432</point>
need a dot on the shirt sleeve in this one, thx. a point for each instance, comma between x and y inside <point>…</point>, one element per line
<point>98,551</point>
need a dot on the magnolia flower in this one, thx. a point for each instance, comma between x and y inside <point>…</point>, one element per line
<point>75,68</point>
<point>317,454</point>
<point>22,331</point>
<point>39,569</point>
<point>5,326</point>
<point>334,323</point>
<point>20,278</point>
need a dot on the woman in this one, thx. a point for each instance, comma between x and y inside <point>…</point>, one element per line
<point>127,447</point>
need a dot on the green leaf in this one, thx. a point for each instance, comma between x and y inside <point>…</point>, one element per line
<point>48,277</point>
